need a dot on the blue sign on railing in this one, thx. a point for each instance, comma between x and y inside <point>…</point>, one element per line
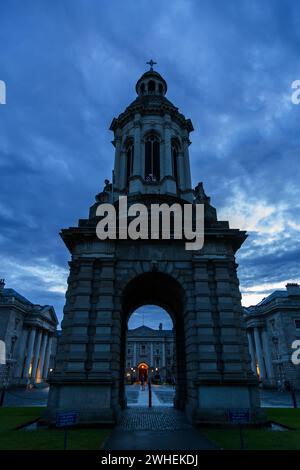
<point>239,415</point>
<point>66,418</point>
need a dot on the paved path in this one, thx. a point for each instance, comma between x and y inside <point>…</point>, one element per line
<point>157,428</point>
<point>162,395</point>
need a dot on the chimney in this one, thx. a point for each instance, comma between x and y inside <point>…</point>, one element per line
<point>160,326</point>
<point>2,284</point>
<point>293,288</point>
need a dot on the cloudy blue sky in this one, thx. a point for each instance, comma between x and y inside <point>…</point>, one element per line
<point>70,66</point>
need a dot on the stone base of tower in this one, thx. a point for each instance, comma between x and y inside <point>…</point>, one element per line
<point>92,402</point>
<point>215,400</point>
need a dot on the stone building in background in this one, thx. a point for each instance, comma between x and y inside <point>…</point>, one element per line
<point>150,354</point>
<point>29,333</point>
<point>272,326</point>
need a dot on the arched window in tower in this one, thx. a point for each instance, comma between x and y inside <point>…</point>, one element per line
<point>151,86</point>
<point>129,159</point>
<point>152,158</point>
<point>175,159</point>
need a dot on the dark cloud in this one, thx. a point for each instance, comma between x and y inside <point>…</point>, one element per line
<point>70,67</point>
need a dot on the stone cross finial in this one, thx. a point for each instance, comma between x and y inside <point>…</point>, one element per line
<point>151,63</point>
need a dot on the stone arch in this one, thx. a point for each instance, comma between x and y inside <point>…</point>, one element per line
<point>161,289</point>
<point>150,132</point>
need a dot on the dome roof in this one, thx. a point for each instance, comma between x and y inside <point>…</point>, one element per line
<point>151,74</point>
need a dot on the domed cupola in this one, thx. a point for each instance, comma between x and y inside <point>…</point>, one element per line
<point>151,83</point>
<point>151,140</point>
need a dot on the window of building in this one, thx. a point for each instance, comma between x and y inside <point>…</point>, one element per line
<point>157,351</point>
<point>129,351</point>
<point>129,159</point>
<point>297,324</point>
<point>151,86</point>
<point>152,159</point>
<point>272,323</point>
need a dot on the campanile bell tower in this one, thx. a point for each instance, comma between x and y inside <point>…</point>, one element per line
<point>110,278</point>
<point>151,139</point>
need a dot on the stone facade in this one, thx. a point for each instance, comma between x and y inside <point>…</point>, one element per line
<point>272,326</point>
<point>150,353</point>
<point>29,333</point>
<point>109,279</point>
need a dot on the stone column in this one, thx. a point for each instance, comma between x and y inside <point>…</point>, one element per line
<point>251,351</point>
<point>123,162</point>
<point>36,355</point>
<point>21,354</point>
<point>181,170</point>
<point>47,357</point>
<point>42,356</point>
<point>117,182</point>
<point>168,151</point>
<point>29,352</point>
<point>267,354</point>
<point>259,353</point>
<point>188,182</point>
<point>137,167</point>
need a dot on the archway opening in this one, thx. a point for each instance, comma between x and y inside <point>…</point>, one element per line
<point>153,342</point>
<point>143,372</point>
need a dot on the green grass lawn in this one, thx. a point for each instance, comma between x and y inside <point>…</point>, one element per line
<point>262,439</point>
<point>43,439</point>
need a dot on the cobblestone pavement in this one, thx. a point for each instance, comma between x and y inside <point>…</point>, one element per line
<point>157,428</point>
<point>156,418</point>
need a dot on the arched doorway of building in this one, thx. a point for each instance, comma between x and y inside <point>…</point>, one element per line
<point>165,361</point>
<point>143,372</point>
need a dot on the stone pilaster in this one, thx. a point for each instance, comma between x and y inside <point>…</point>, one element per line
<point>188,180</point>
